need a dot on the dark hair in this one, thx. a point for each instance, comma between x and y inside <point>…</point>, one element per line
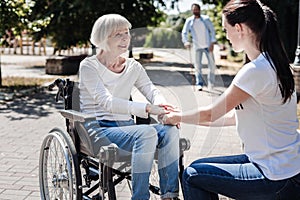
<point>263,22</point>
<point>197,5</point>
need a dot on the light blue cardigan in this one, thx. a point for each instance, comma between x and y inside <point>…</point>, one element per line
<point>188,27</point>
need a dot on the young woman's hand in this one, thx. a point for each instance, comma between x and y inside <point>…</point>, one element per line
<point>163,120</point>
<point>172,118</point>
<point>169,107</point>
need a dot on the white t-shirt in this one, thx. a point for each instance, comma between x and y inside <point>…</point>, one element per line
<point>267,127</point>
<point>105,94</point>
<point>200,29</point>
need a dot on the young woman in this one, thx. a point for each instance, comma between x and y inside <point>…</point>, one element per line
<point>106,81</point>
<point>263,98</point>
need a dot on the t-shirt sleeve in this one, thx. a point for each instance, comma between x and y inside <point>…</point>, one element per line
<point>251,79</point>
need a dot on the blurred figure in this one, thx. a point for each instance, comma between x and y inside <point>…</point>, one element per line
<point>10,40</point>
<point>203,40</point>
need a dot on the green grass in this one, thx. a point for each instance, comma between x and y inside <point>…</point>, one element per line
<point>18,83</point>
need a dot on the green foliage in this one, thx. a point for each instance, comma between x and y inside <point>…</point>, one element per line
<point>13,15</point>
<point>287,15</point>
<point>68,22</point>
<point>163,38</point>
<point>168,34</point>
<point>215,14</point>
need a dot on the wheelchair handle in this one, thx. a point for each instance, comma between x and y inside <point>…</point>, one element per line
<point>60,84</point>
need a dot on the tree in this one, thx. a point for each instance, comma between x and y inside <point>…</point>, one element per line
<point>13,17</point>
<point>287,14</point>
<point>69,22</point>
<point>167,34</point>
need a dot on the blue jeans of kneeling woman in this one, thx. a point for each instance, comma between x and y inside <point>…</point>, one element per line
<point>235,177</point>
<point>141,141</point>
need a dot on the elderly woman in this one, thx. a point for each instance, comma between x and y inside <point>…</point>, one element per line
<point>106,81</point>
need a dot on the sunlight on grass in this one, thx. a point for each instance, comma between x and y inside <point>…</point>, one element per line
<point>19,82</point>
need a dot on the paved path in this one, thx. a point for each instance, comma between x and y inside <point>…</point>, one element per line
<point>25,121</point>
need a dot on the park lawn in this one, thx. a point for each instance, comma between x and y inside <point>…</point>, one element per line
<point>19,83</point>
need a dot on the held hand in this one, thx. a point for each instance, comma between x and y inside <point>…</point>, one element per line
<point>169,107</point>
<point>160,118</point>
<point>173,118</point>
<point>155,110</point>
<point>163,117</point>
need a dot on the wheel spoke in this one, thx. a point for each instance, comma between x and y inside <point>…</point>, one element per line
<point>58,178</point>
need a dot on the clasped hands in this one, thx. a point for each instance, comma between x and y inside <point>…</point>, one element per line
<point>167,114</point>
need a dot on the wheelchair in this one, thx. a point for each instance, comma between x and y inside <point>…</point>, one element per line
<point>69,167</point>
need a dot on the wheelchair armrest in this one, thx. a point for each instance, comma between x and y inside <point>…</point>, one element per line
<point>76,116</point>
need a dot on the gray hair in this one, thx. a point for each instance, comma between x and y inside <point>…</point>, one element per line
<point>105,26</point>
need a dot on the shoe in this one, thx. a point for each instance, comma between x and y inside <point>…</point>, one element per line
<point>199,87</point>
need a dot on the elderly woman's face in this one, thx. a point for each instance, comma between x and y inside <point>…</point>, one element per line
<point>119,41</point>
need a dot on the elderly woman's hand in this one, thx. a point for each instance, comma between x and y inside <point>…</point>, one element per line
<point>161,109</point>
<point>156,110</point>
<point>172,118</point>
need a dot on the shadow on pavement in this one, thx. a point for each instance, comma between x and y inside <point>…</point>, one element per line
<point>33,106</point>
<point>42,103</point>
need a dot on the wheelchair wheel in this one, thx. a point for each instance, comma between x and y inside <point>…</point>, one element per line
<point>59,173</point>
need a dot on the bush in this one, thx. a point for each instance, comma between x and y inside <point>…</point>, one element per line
<point>163,38</point>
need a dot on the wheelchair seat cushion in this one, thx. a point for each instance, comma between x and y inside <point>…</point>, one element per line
<point>91,140</point>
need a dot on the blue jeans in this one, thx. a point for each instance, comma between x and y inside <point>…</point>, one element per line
<point>235,177</point>
<point>198,66</point>
<point>141,141</point>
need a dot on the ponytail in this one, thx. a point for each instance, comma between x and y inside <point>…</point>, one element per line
<point>276,55</point>
<point>263,22</point>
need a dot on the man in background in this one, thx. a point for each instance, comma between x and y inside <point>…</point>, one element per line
<point>203,40</point>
